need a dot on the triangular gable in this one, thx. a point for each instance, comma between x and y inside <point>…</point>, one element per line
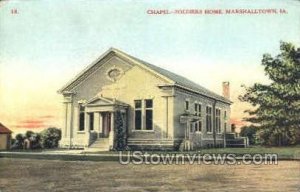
<point>99,100</point>
<point>170,78</point>
<point>97,63</point>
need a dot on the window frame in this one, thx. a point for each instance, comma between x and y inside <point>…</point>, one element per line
<point>225,120</point>
<point>81,118</point>
<point>148,109</point>
<point>91,121</point>
<point>198,112</point>
<point>198,109</point>
<point>143,110</point>
<point>187,105</point>
<point>209,128</point>
<point>141,116</point>
<point>218,120</point>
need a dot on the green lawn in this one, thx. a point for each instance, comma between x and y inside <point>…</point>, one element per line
<point>291,152</point>
<point>283,152</point>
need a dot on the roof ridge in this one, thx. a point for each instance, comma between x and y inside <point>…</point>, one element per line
<point>4,129</point>
<point>156,68</point>
<point>169,75</point>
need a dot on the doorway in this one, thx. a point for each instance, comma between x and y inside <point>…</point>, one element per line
<point>106,124</point>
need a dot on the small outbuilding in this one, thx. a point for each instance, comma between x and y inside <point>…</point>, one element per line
<point>5,137</point>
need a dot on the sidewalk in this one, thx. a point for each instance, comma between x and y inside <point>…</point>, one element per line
<point>68,155</point>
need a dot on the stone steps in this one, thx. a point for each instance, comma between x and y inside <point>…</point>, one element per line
<point>101,144</point>
<point>149,142</point>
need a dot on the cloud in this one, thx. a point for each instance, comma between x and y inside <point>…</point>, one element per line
<point>39,122</point>
<point>47,117</point>
<point>238,122</point>
<point>31,124</point>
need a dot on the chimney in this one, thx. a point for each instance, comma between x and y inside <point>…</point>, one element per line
<point>226,89</point>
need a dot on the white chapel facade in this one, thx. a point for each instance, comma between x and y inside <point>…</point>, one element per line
<point>121,102</point>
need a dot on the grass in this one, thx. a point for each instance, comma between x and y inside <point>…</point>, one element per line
<point>286,153</point>
<point>291,152</point>
<point>283,152</point>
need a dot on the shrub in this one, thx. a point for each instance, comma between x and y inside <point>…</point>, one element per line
<point>250,132</point>
<point>50,137</point>
<point>18,142</point>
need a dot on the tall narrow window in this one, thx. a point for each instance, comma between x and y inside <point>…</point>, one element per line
<point>218,120</point>
<point>198,109</point>
<point>81,118</point>
<point>187,103</point>
<point>91,116</point>
<point>198,124</point>
<point>192,128</point>
<point>225,120</point>
<point>208,119</point>
<point>138,114</point>
<point>149,114</point>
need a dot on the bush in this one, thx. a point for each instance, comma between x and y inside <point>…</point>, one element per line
<point>48,138</point>
<point>35,141</point>
<point>250,132</point>
<point>18,142</point>
<point>51,137</point>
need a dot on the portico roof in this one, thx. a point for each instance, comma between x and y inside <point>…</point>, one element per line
<point>104,101</point>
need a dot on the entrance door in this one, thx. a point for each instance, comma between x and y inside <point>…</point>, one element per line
<point>106,124</point>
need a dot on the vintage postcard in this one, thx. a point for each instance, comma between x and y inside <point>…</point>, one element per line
<point>136,95</point>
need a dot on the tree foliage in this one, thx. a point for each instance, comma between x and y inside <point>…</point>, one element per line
<point>18,143</point>
<point>250,132</point>
<point>48,138</point>
<point>120,131</point>
<point>51,137</point>
<point>277,105</point>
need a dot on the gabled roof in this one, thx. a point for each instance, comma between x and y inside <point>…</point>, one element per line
<point>174,79</point>
<point>4,129</point>
<point>182,81</point>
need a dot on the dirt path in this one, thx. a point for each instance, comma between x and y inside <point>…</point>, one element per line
<point>46,175</point>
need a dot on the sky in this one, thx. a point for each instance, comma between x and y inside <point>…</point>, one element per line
<point>44,44</point>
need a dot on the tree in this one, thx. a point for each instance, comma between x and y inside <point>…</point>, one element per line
<point>19,140</point>
<point>29,134</point>
<point>51,137</point>
<point>277,105</point>
<point>34,139</point>
<point>120,131</point>
<point>249,131</point>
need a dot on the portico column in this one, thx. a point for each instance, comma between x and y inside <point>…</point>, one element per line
<point>112,121</point>
<point>100,124</point>
<point>86,128</point>
<point>112,133</point>
<point>96,121</point>
<point>188,129</point>
<point>68,119</point>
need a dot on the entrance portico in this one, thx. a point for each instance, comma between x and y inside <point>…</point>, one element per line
<point>100,117</point>
<point>189,120</point>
